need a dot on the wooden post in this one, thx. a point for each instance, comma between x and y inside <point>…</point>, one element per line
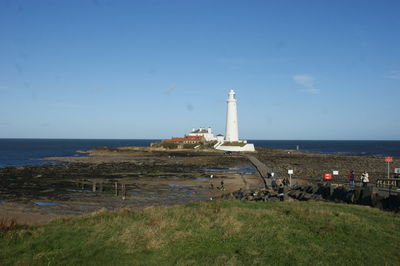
<point>94,187</point>
<point>116,188</point>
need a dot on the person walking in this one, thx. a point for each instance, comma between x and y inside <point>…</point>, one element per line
<point>285,182</point>
<point>365,179</point>
<point>350,176</point>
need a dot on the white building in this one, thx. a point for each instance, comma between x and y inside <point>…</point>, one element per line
<point>203,132</point>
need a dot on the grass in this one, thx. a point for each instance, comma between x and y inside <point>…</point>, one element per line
<point>234,143</point>
<point>213,233</point>
<point>7,224</point>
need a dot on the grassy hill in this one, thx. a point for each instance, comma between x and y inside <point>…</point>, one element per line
<point>213,233</point>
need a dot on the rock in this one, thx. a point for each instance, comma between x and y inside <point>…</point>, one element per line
<point>273,194</point>
<point>350,197</point>
<point>324,191</point>
<point>238,194</point>
<point>365,196</point>
<point>391,203</point>
<point>259,198</point>
<point>295,194</point>
<point>306,197</point>
<point>340,194</point>
<point>376,201</point>
<point>357,195</point>
<point>317,197</point>
<point>311,189</point>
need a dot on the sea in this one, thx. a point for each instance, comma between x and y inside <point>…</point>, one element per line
<point>21,152</point>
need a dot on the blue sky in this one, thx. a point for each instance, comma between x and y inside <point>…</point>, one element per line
<point>156,69</point>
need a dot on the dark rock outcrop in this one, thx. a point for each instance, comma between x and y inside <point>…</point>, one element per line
<point>369,196</point>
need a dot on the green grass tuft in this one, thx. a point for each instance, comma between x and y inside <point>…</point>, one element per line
<point>234,143</point>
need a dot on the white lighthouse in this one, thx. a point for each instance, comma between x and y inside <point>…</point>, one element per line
<point>232,133</point>
<point>231,141</point>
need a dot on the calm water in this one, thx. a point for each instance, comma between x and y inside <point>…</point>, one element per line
<point>17,152</point>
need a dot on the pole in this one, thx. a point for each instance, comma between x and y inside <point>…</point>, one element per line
<point>290,179</point>
<point>388,169</point>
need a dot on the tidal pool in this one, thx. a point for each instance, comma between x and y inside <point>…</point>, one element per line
<point>245,170</point>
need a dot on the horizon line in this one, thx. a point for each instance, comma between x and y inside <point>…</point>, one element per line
<point>1,138</point>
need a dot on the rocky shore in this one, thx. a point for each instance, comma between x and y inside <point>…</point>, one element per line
<point>137,177</point>
<point>369,196</point>
<point>116,178</point>
<point>312,166</point>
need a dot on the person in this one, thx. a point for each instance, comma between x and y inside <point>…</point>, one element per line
<point>365,179</point>
<point>222,185</point>
<point>350,176</point>
<point>285,182</point>
<point>274,184</point>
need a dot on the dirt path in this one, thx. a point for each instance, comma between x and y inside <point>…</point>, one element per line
<point>23,215</point>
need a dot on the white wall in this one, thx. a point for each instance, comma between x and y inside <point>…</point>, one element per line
<point>247,147</point>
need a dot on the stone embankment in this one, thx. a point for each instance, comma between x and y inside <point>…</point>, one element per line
<point>369,196</point>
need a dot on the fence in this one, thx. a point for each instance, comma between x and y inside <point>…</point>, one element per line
<point>390,183</point>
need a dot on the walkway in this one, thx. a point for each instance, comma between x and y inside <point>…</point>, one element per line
<point>262,169</point>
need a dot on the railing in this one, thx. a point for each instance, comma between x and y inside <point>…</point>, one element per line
<point>335,179</point>
<point>391,183</point>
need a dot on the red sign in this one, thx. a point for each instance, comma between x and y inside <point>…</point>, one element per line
<point>388,159</point>
<point>328,176</point>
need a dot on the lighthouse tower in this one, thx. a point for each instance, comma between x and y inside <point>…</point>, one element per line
<point>232,133</point>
